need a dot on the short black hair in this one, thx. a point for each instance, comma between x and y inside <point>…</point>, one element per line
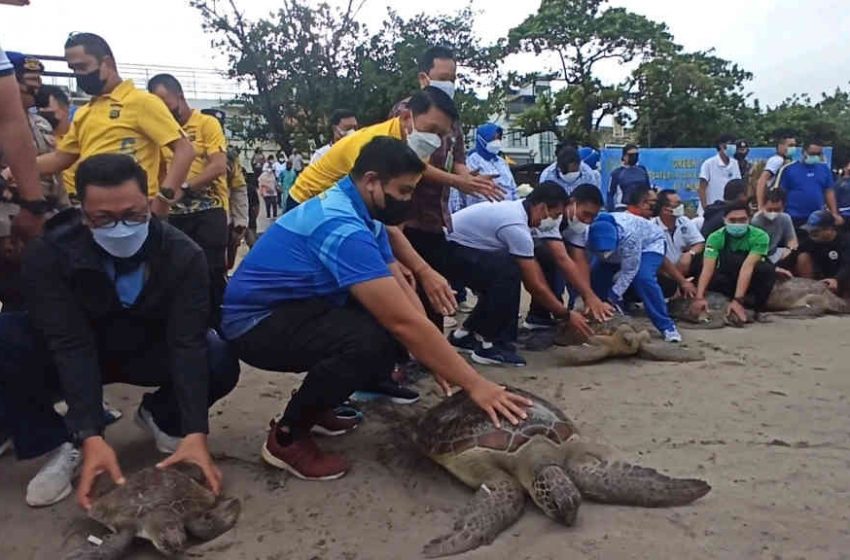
<point>783,134</point>
<point>109,170</point>
<point>734,189</point>
<point>638,195</point>
<point>628,147</point>
<point>548,193</point>
<point>664,197</point>
<point>427,58</point>
<point>775,195</point>
<point>725,139</point>
<point>169,82</point>
<point>586,194</point>
<point>812,142</point>
<point>340,114</point>
<point>422,101</point>
<point>389,158</point>
<point>45,92</point>
<point>567,156</point>
<point>734,206</point>
<point>92,44</point>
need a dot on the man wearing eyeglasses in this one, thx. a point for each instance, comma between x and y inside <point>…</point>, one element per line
<point>114,296</point>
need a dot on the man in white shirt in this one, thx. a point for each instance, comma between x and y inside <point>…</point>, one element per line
<point>716,171</point>
<point>569,171</point>
<point>491,250</point>
<point>343,123</point>
<point>683,238</point>
<point>786,151</point>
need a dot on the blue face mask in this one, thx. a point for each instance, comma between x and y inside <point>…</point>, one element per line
<point>122,241</point>
<point>813,159</point>
<point>730,150</point>
<point>737,230</point>
<point>791,153</point>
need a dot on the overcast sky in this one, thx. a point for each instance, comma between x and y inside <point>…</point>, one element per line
<point>789,46</point>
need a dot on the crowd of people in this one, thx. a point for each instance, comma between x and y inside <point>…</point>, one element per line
<point>133,208</point>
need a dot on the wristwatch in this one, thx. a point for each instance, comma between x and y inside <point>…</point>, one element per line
<point>37,207</point>
<point>78,437</point>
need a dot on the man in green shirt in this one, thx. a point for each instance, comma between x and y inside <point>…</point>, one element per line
<point>734,264</point>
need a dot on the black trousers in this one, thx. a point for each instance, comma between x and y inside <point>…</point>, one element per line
<point>342,349</point>
<point>208,229</point>
<point>289,204</point>
<point>725,278</point>
<point>271,206</point>
<point>554,279</point>
<point>495,277</point>
<point>433,248</point>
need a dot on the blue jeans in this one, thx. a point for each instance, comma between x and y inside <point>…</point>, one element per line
<point>645,284</point>
<point>29,385</point>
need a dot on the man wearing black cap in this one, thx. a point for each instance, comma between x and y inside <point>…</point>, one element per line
<point>825,253</point>
<point>742,150</point>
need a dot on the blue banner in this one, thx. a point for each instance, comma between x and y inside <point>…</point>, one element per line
<point>678,168</point>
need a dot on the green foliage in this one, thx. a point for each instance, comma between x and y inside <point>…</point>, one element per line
<point>582,34</point>
<point>304,61</point>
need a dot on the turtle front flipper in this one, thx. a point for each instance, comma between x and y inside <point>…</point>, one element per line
<point>616,482</point>
<point>586,353</point>
<point>112,547</point>
<point>496,505</point>
<point>554,493</point>
<point>217,521</point>
<point>668,352</point>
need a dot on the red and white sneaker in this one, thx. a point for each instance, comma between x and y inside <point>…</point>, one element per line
<point>303,458</point>
<point>333,422</point>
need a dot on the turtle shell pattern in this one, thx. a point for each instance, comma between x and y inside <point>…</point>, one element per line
<point>458,424</point>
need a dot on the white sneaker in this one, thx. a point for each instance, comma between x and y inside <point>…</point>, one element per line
<point>449,322</point>
<point>164,442</point>
<point>466,307</point>
<point>672,335</point>
<point>52,484</point>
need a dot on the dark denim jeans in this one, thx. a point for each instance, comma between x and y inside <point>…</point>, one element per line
<point>29,385</point>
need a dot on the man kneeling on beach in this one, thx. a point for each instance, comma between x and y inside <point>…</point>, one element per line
<point>320,292</point>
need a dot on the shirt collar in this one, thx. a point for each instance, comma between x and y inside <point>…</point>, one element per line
<point>121,91</point>
<point>347,186</point>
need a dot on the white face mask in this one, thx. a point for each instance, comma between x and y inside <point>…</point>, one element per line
<point>548,223</point>
<point>344,133</point>
<point>770,215</point>
<point>570,177</point>
<point>424,144</point>
<point>494,147</point>
<point>577,226</point>
<point>678,211</point>
<point>446,87</point>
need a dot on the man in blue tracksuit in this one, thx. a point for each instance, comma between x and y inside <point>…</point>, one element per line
<point>632,249</point>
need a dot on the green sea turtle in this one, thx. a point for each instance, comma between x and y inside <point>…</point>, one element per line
<point>805,297</point>
<point>162,506</point>
<point>619,337</point>
<point>545,457</point>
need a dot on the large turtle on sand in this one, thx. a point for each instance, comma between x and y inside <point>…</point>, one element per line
<point>543,456</point>
<point>619,337</point>
<point>162,506</point>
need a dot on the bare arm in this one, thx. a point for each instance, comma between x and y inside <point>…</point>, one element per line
<point>761,187</point>
<point>16,141</point>
<point>832,205</point>
<point>405,286</point>
<point>577,273</point>
<point>385,301</point>
<point>745,276</point>
<point>215,168</point>
<point>703,186</point>
<point>54,162</point>
<point>465,182</point>
<point>436,287</point>
<point>184,153</point>
<point>535,283</point>
<point>705,276</point>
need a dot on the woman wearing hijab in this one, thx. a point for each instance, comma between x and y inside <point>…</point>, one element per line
<point>485,160</point>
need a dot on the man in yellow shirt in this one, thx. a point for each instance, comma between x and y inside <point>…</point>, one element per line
<point>201,211</point>
<point>118,119</point>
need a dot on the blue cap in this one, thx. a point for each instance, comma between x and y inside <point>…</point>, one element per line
<point>589,156</point>
<point>819,219</point>
<point>602,235</point>
<point>24,63</point>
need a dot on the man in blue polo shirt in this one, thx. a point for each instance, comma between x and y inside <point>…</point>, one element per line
<point>321,292</point>
<point>808,184</point>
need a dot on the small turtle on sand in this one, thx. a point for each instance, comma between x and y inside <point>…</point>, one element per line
<point>544,457</point>
<point>619,337</point>
<point>162,506</point>
<point>714,318</point>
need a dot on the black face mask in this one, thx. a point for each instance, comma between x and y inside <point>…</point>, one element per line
<point>394,212</point>
<point>91,83</point>
<point>50,117</point>
<point>632,159</point>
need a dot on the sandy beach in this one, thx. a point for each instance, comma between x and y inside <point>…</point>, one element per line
<point>763,419</point>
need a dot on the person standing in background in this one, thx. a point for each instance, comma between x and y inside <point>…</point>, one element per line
<point>742,150</point>
<point>627,177</point>
<point>296,160</point>
<point>56,108</point>
<point>786,151</point>
<point>484,159</point>
<point>269,192</point>
<point>717,171</point>
<point>569,171</point>
<point>286,178</point>
<point>343,123</point>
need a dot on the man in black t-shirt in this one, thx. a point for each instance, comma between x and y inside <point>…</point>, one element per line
<point>825,254</point>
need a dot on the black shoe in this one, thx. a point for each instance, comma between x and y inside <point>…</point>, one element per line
<point>387,390</point>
